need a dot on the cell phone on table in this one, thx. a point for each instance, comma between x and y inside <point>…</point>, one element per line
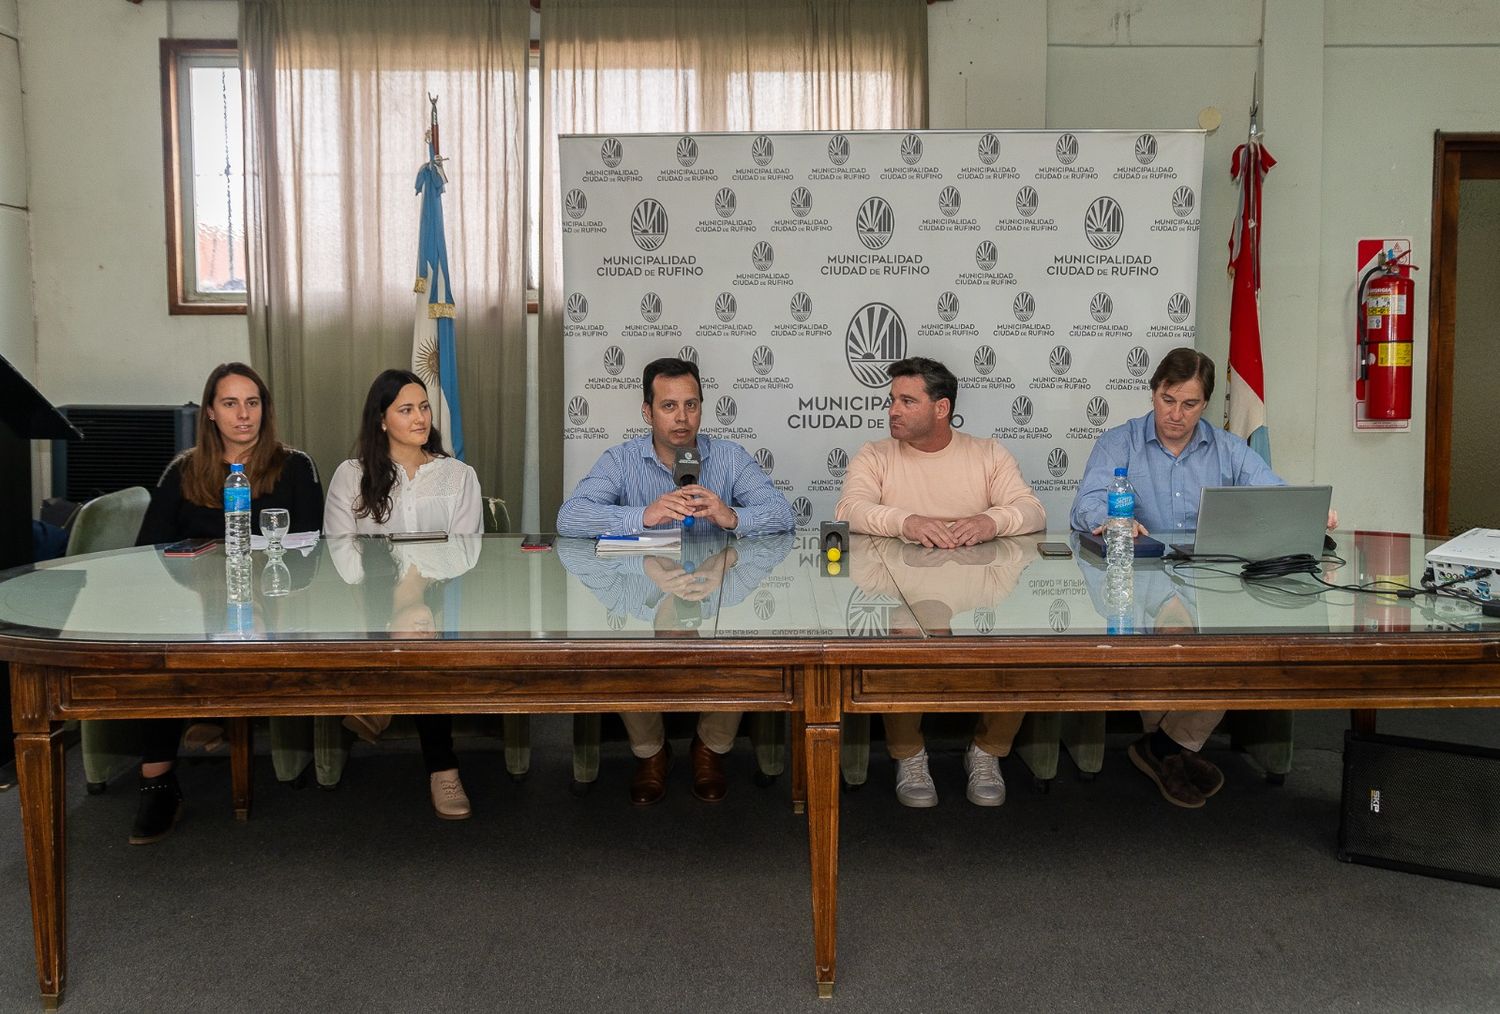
<point>190,547</point>
<point>1054,550</point>
<point>537,543</point>
<point>418,536</point>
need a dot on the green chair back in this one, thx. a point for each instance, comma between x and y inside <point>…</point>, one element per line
<point>111,521</point>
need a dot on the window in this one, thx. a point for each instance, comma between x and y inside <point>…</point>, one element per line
<point>533,177</point>
<point>203,149</point>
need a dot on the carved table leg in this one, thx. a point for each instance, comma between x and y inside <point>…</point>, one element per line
<point>39,767</point>
<point>799,762</point>
<point>823,837</point>
<point>1362,720</point>
<point>241,757</point>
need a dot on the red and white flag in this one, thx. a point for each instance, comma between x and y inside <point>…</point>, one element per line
<point>1245,402</point>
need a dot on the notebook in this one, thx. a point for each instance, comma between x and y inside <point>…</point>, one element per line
<point>1260,522</point>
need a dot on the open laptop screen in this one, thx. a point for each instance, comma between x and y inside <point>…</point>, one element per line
<point>1262,522</point>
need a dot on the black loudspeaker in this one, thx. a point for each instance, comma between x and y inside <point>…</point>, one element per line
<point>1421,807</point>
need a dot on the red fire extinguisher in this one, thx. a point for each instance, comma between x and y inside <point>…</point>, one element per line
<point>1386,305</point>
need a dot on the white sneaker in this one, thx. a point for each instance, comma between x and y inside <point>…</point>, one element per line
<point>986,787</point>
<point>914,783</point>
<point>449,801</point>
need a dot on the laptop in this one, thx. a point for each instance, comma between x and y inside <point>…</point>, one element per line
<point>1260,522</point>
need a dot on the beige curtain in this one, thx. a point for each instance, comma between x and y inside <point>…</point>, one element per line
<point>335,111</point>
<point>623,66</point>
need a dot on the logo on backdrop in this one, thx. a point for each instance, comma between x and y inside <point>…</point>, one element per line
<point>801,202</point>
<point>1026,202</point>
<point>1097,411</point>
<point>611,152</point>
<point>1101,307</point>
<point>949,201</point>
<point>1023,306</point>
<point>1021,410</point>
<point>578,308</point>
<point>1137,364</point>
<point>986,256</point>
<point>765,459</point>
<point>1179,306</point>
<point>687,152</point>
<point>984,360</point>
<point>1183,202</point>
<point>988,152</point>
<point>802,508</point>
<point>687,157</point>
<point>650,308</point>
<point>1145,149</point>
<point>614,360</point>
<point>838,149</point>
<point>989,149</point>
<point>725,203</point>
<point>1060,360</point>
<point>762,151</point>
<point>947,306</point>
<point>1104,223</point>
<point>911,149</point>
<point>874,223</point>
<point>688,354</point>
<point>648,224</point>
<point>801,306</point>
<point>578,410</point>
<point>575,204</point>
<point>838,462</point>
<point>762,360</point>
<point>725,307</point>
<point>762,256</point>
<point>1025,220</point>
<point>874,339</point>
<point>1066,149</point>
<point>1057,462</point>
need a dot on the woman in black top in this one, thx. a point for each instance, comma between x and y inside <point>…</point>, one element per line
<point>236,423</point>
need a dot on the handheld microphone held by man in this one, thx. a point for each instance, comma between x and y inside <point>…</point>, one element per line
<point>685,472</point>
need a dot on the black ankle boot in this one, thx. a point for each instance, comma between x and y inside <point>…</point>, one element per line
<point>159,808</point>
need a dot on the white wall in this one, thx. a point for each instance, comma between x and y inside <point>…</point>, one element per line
<point>17,340</point>
<point>90,76</point>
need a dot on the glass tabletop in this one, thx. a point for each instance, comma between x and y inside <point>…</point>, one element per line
<point>713,586</point>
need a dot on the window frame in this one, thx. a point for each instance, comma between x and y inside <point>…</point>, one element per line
<point>182,297</point>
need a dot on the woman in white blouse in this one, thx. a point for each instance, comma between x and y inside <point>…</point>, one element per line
<point>403,481</point>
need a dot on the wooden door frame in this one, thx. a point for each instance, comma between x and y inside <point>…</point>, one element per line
<point>1456,156</point>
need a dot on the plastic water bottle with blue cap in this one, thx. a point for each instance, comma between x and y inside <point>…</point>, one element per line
<point>1119,543</point>
<point>237,512</point>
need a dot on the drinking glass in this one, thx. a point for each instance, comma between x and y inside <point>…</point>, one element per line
<point>275,579</point>
<point>274,522</point>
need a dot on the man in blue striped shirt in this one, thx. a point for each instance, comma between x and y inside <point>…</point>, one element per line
<point>631,489</point>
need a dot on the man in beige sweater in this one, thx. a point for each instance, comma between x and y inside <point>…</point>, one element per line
<point>932,485</point>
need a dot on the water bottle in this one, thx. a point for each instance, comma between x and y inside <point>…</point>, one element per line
<point>237,513</point>
<point>239,611</point>
<point>1119,545</point>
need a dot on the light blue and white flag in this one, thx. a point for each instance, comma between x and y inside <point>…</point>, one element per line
<point>434,351</point>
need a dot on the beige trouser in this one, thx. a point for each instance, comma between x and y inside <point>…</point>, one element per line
<point>648,733</point>
<point>993,734</point>
<point>1188,729</point>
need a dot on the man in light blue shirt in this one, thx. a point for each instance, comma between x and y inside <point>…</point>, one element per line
<point>630,489</point>
<point>1172,454</point>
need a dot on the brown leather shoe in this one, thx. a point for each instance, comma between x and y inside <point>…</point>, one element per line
<point>1202,772</point>
<point>1169,774</point>
<point>650,781</point>
<point>709,783</point>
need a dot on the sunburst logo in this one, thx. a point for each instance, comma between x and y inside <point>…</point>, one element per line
<point>1137,362</point>
<point>986,256</point>
<point>802,508</point>
<point>762,256</point>
<point>648,224</point>
<point>762,150</point>
<point>725,307</point>
<point>614,360</point>
<point>688,354</point>
<point>1183,201</point>
<point>838,149</point>
<point>838,462</point>
<point>874,223</point>
<point>611,152</point>
<point>1067,149</point>
<point>1101,307</point>
<point>874,339</point>
<point>687,152</point>
<point>947,306</point>
<point>651,308</point>
<point>726,410</point>
<point>578,308</point>
<point>984,360</point>
<point>1060,360</point>
<point>429,362</point>
<point>989,149</point>
<point>1145,149</point>
<point>911,149</point>
<point>762,360</point>
<point>1057,462</point>
<point>725,202</point>
<point>1104,223</point>
<point>1026,202</point>
<point>578,410</point>
<point>576,204</point>
<point>802,306</point>
<point>1179,306</point>
<point>801,202</point>
<point>1097,411</point>
<point>1059,616</point>
<point>949,201</point>
<point>1021,410</point>
<point>1023,306</point>
<point>765,459</point>
<point>869,615</point>
<point>984,620</point>
<point>765,604</point>
<point>616,621</point>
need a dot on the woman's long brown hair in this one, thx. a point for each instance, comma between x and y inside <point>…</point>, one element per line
<point>377,470</point>
<point>203,467</point>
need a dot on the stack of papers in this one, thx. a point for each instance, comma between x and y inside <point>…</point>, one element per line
<point>666,541</point>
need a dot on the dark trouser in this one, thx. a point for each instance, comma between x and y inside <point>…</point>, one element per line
<point>436,734</point>
<point>159,739</point>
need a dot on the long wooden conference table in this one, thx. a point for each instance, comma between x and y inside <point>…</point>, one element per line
<point>477,625</point>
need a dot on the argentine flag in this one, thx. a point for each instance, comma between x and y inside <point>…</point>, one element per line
<point>434,350</point>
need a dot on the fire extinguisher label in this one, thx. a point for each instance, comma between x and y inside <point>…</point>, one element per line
<point>1393,354</point>
<point>1386,305</point>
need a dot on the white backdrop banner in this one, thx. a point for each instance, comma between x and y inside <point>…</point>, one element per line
<point>1049,270</point>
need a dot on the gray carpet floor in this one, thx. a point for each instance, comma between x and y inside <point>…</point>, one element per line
<point>1094,897</point>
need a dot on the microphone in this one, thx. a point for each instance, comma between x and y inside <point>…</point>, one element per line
<point>833,545</point>
<point>685,470</point>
